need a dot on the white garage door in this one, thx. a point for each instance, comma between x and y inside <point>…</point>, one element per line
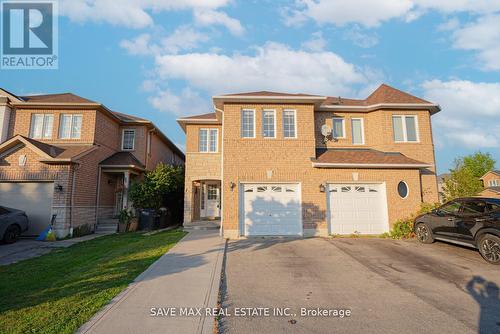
<point>358,208</point>
<point>33,198</point>
<point>271,209</point>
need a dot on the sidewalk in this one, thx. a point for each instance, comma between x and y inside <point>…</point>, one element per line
<point>187,276</point>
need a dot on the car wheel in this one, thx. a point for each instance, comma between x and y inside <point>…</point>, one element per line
<point>489,247</point>
<point>424,234</point>
<point>11,234</point>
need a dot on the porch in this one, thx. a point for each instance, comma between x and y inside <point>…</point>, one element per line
<point>206,200</point>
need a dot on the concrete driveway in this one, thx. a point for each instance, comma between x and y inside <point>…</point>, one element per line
<point>389,287</point>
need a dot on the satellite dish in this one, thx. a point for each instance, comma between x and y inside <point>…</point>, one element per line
<point>325,130</point>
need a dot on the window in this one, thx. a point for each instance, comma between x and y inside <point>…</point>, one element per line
<point>70,127</point>
<point>261,189</point>
<point>338,130</point>
<point>208,140</point>
<point>269,124</point>
<point>41,126</point>
<point>289,124</point>
<point>212,192</point>
<point>360,189</point>
<point>493,183</point>
<point>451,208</point>
<point>248,123</point>
<point>276,189</point>
<point>493,206</point>
<point>128,139</point>
<point>472,208</point>
<point>345,189</point>
<point>403,189</point>
<point>405,128</point>
<point>358,137</point>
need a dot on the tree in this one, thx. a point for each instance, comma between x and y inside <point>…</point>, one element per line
<point>157,187</point>
<point>465,177</point>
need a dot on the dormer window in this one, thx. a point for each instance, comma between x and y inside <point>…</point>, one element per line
<point>41,126</point>
<point>128,140</point>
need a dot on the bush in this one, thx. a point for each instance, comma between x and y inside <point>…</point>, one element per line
<point>403,228</point>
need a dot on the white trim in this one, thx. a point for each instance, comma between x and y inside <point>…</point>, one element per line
<point>123,138</point>
<point>407,189</point>
<point>493,183</point>
<point>208,141</point>
<point>362,131</point>
<point>343,126</point>
<point>405,131</point>
<point>268,97</point>
<point>294,123</point>
<point>275,123</point>
<point>241,123</point>
<point>209,120</point>
<point>44,116</point>
<point>361,165</point>
<point>414,106</point>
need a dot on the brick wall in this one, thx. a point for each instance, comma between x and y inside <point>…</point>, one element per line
<point>288,160</point>
<point>199,166</point>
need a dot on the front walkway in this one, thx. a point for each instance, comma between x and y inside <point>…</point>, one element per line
<point>187,276</point>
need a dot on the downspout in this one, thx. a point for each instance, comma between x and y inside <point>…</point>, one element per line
<point>98,197</point>
<point>221,229</point>
<point>72,199</point>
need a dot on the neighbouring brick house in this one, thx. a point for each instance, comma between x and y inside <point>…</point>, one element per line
<point>491,182</point>
<point>261,162</point>
<point>65,155</point>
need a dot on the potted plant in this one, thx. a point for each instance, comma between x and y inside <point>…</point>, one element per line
<point>133,221</point>
<point>123,220</point>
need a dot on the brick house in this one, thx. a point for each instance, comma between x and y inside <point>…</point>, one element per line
<point>65,155</point>
<point>268,163</point>
<point>491,182</point>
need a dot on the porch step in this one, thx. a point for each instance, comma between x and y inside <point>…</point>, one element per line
<point>107,226</point>
<point>202,225</point>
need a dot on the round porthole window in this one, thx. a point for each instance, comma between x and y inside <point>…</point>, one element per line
<point>403,189</point>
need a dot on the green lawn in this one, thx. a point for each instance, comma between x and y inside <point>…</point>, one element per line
<point>60,291</point>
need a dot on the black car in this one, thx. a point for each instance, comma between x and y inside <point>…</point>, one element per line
<point>13,222</point>
<point>473,221</point>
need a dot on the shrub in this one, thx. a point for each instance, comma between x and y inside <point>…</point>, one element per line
<point>403,228</point>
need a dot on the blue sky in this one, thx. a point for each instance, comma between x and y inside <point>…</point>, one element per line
<point>164,59</point>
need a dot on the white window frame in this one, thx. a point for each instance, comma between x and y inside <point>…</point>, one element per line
<point>405,132</point>
<point>123,140</point>
<point>44,117</point>
<point>241,123</point>
<point>274,117</point>
<point>493,183</point>
<point>362,131</point>
<point>343,126</point>
<point>294,123</point>
<point>407,189</point>
<point>208,140</point>
<point>72,116</point>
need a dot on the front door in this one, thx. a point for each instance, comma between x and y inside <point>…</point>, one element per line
<point>212,199</point>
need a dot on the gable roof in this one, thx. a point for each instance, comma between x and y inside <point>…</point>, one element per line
<point>49,153</point>
<point>384,97</point>
<point>210,115</point>
<point>365,158</point>
<point>494,171</point>
<point>122,159</point>
<point>129,118</point>
<point>56,98</point>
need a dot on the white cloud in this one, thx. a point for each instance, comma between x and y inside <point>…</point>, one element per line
<point>482,36</point>
<point>316,43</point>
<point>469,115</point>
<point>209,17</point>
<point>450,25</point>
<point>360,38</point>
<point>272,67</point>
<point>188,102</point>
<point>183,38</point>
<point>131,13</point>
<point>371,13</point>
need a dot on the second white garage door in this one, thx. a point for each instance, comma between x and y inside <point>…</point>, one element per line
<point>357,208</point>
<point>271,209</point>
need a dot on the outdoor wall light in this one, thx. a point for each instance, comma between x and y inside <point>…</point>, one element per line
<point>232,185</point>
<point>58,188</point>
<point>322,187</point>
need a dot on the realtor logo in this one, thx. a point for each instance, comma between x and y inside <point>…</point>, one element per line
<point>29,35</point>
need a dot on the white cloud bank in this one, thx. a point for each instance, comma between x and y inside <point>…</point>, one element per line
<point>470,112</point>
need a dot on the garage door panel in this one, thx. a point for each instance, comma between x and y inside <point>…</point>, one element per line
<point>271,209</point>
<point>357,208</point>
<point>35,198</point>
